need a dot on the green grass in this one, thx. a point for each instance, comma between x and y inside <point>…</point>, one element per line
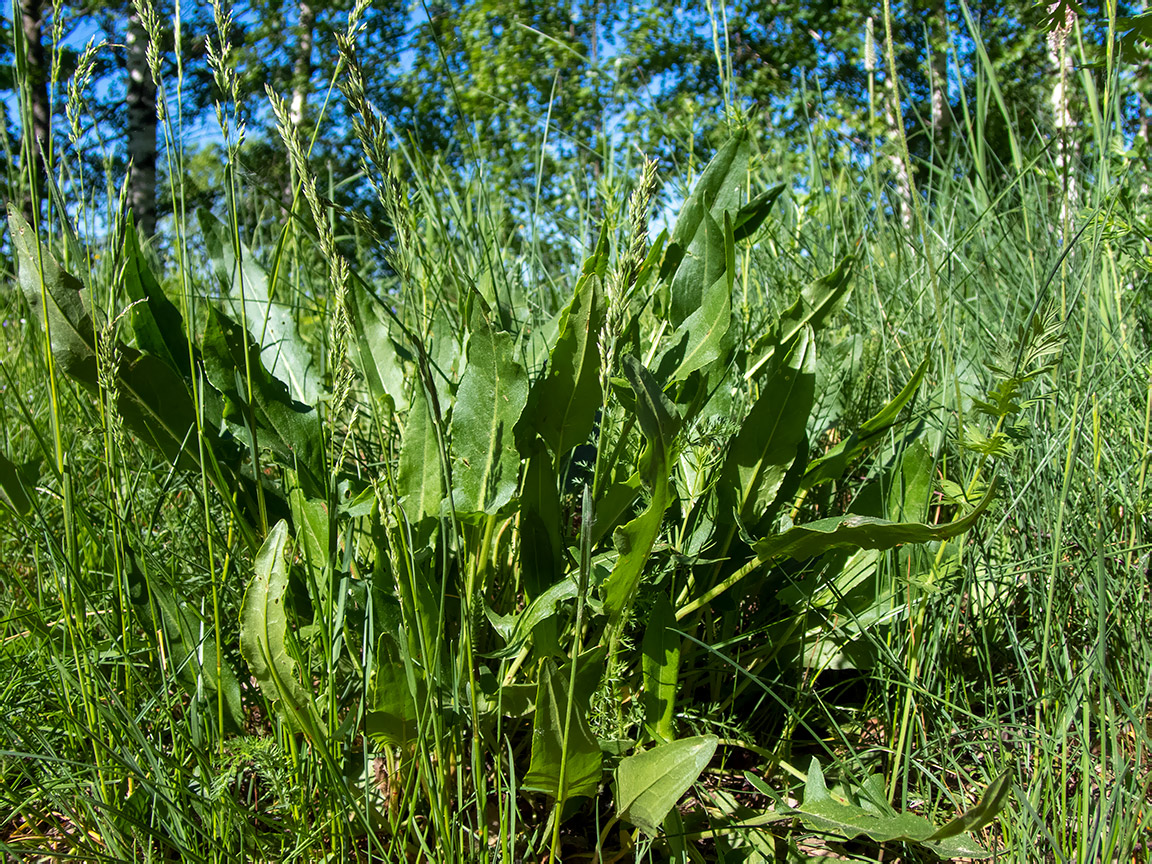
<point>413,668</point>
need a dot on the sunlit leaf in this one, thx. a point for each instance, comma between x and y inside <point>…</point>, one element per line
<point>649,784</point>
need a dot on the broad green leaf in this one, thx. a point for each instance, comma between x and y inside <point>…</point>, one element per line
<point>157,323</point>
<point>67,316</point>
<point>700,339</point>
<point>191,651</point>
<point>152,399</point>
<point>686,261</point>
<point>752,215</point>
<point>310,517</point>
<point>661,667</point>
<point>771,436</point>
<point>375,353</point>
<point>541,546</point>
<point>818,301</point>
<point>990,804</point>
<point>658,420</point>
<point>493,391</point>
<point>566,399</point>
<point>832,464</point>
<point>264,633</point>
<point>516,629</point>
<point>911,488</point>
<point>391,710</point>
<point>13,492</point>
<point>869,814</point>
<point>614,505</point>
<point>420,476</point>
<point>581,752</point>
<point>863,532</point>
<point>287,426</point>
<point>269,320</point>
<point>635,540</point>
<point>649,784</point>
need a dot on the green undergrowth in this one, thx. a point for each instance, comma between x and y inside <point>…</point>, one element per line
<point>788,531</point>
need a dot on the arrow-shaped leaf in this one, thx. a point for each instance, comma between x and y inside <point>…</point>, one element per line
<point>862,532</point>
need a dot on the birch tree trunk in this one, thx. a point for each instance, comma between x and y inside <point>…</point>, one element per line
<point>141,129</point>
<point>896,163</point>
<point>1063,120</point>
<point>938,71</point>
<point>302,68</point>
<point>38,120</point>
<point>301,83</point>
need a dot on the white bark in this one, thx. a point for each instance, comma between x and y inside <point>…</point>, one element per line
<point>1063,120</point>
<point>141,130</point>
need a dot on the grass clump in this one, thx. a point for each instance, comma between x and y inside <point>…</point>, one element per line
<point>796,526</point>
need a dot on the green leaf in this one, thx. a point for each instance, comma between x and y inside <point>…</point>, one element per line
<point>541,547</point>
<point>649,784</point>
<point>153,400</point>
<point>700,339</point>
<point>157,323</point>
<point>191,647</point>
<point>374,352</point>
<point>310,516</point>
<point>687,260</point>
<point>871,815</point>
<point>818,301</point>
<point>911,489</point>
<point>771,436</point>
<point>862,532</point>
<point>516,629</point>
<point>12,489</point>
<point>420,477</point>
<point>832,464</point>
<point>492,394</point>
<point>264,633</point>
<point>68,318</point>
<point>581,752</point>
<point>635,540</point>
<point>269,321</point>
<point>288,427</point>
<point>752,215</point>
<point>661,667</point>
<point>391,716</point>
<point>990,804</point>
<point>566,399</point>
